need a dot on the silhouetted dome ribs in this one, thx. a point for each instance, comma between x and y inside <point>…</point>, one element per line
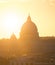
<point>29,29</point>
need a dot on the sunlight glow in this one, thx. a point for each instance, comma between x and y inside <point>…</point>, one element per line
<point>12,23</point>
<point>13,13</point>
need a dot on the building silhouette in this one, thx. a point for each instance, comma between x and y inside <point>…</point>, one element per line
<point>13,37</point>
<point>29,30</point>
<point>30,48</point>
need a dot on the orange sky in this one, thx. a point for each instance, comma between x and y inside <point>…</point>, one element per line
<point>13,13</point>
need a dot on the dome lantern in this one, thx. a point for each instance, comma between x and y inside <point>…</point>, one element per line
<point>29,19</point>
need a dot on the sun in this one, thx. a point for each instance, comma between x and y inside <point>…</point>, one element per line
<point>12,23</point>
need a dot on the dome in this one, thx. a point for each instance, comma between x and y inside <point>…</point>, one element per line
<point>29,29</point>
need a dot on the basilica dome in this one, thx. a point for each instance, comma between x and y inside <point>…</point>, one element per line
<point>29,29</point>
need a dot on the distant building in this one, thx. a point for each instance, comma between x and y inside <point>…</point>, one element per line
<point>13,37</point>
<point>29,30</point>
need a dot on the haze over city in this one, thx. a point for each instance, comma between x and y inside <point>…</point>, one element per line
<point>27,32</point>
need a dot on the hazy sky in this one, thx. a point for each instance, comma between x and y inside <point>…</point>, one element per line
<point>13,13</point>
